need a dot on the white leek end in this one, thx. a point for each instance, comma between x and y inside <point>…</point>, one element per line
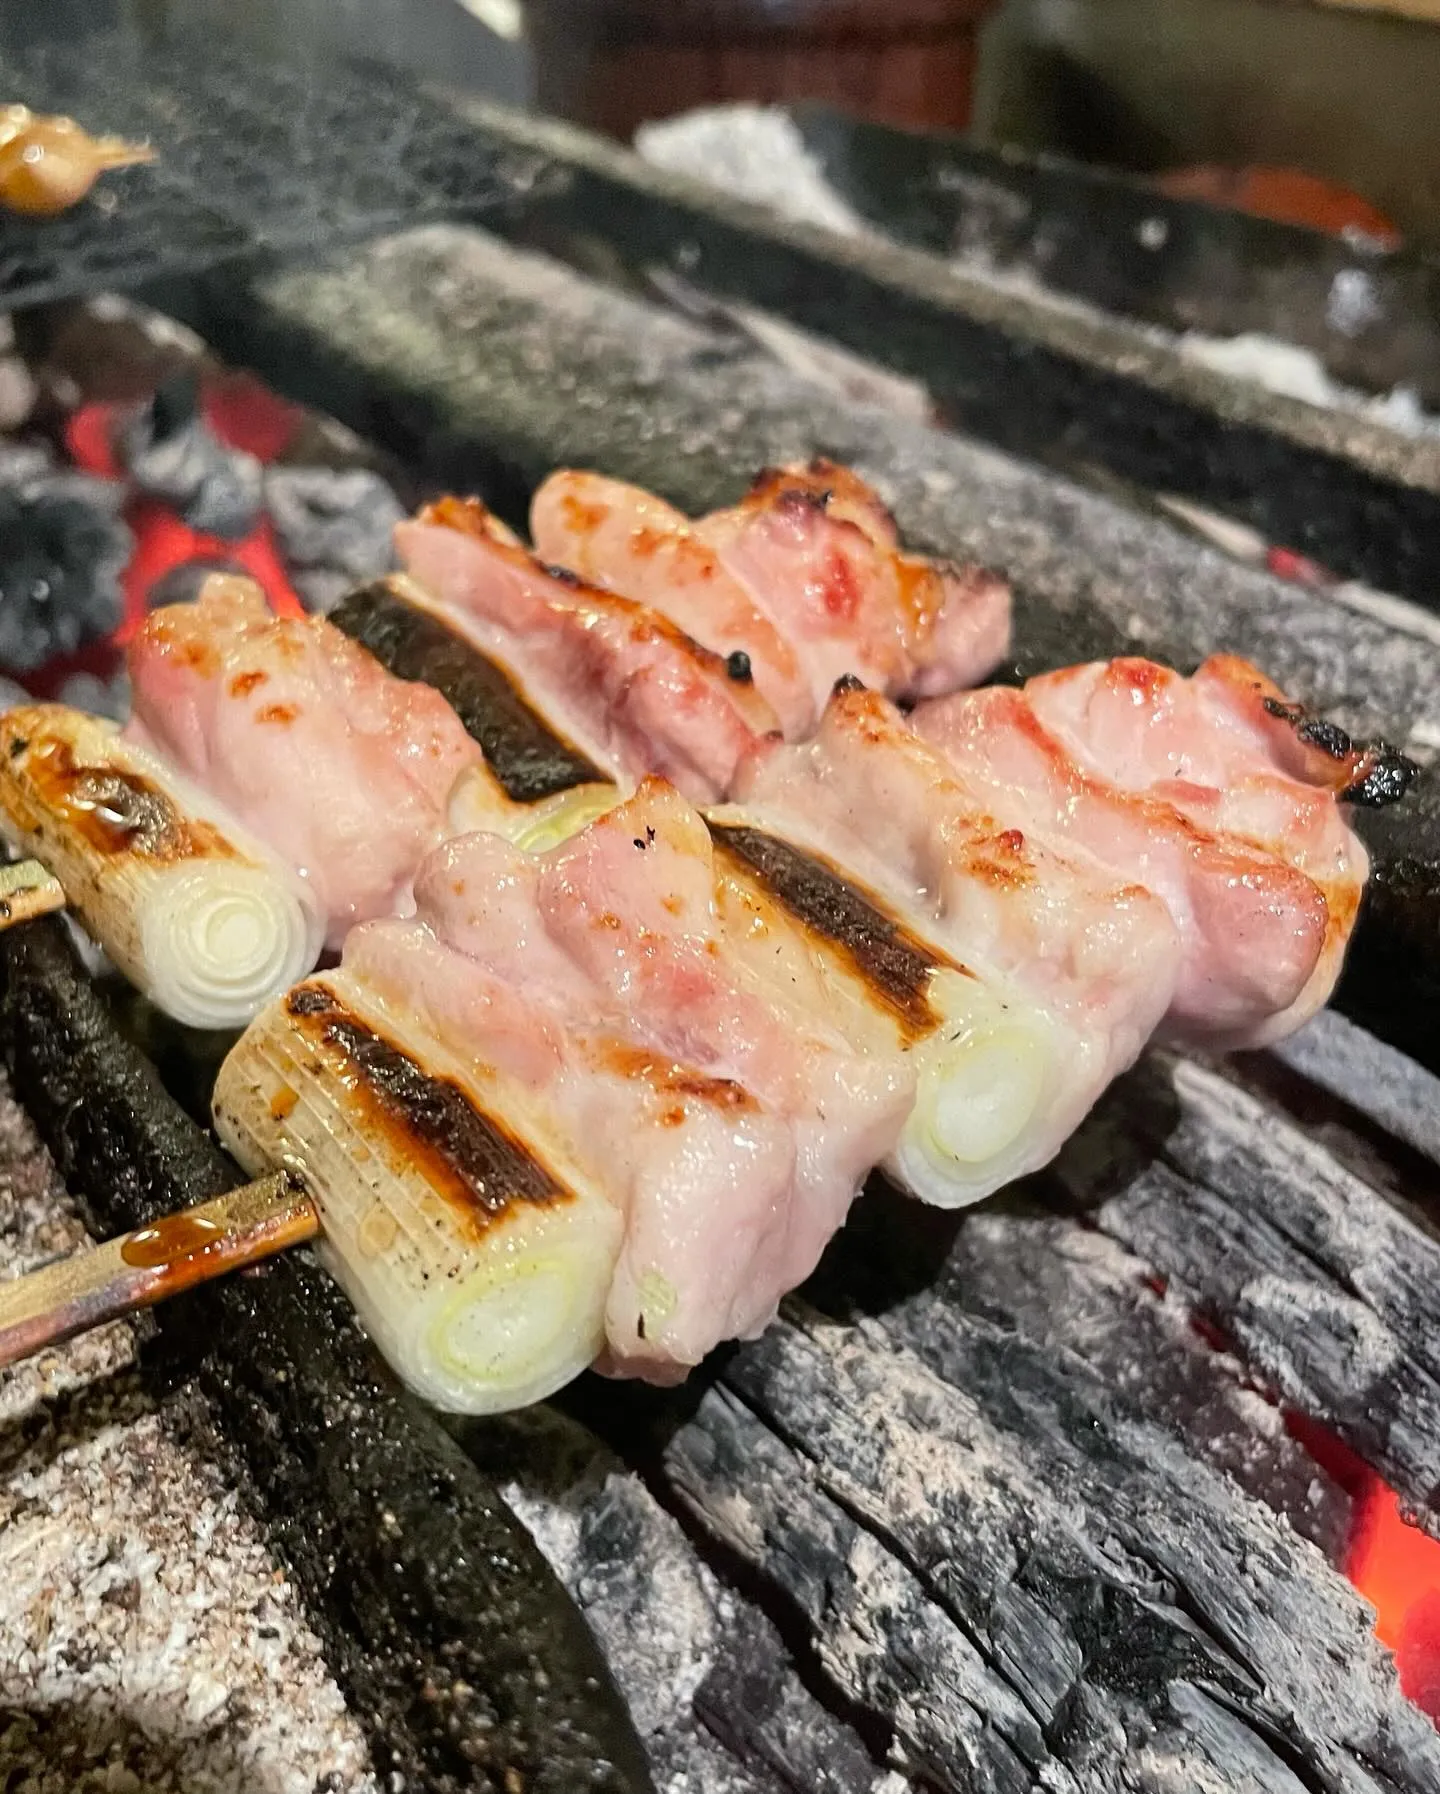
<point>478,1261</point>
<point>192,908</point>
<point>991,1076</point>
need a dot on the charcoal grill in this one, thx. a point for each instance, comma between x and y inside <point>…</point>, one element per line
<point>1009,1500</point>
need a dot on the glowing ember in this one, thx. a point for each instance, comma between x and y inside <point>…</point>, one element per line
<point>243,415</point>
<point>1396,1567</point>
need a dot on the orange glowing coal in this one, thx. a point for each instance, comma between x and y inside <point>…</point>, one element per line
<point>1396,1567</point>
<point>243,415</point>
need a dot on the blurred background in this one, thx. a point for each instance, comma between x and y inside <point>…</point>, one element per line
<point>1323,111</point>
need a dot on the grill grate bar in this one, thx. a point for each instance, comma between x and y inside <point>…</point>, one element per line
<point>253,157</point>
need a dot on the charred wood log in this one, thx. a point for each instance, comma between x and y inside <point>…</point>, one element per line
<point>1329,1289</point>
<point>715,1695</point>
<point>1069,1289</point>
<point>1038,1589</point>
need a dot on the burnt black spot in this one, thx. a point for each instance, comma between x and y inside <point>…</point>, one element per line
<point>649,832</point>
<point>640,842</point>
<point>473,1158</point>
<point>1385,778</point>
<point>639,1326</point>
<point>1385,774</point>
<point>1314,731</point>
<point>847,682</point>
<point>18,747</point>
<point>311,999</point>
<point>1330,738</point>
<point>563,574</point>
<point>737,667</point>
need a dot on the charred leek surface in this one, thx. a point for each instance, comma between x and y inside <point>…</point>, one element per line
<point>480,1262</point>
<point>196,912</point>
<point>988,1065</point>
<point>529,758</point>
<point>457,1649</point>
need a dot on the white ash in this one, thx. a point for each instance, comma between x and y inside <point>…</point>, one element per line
<point>754,152</point>
<point>758,153</point>
<point>148,1643</point>
<point>22,462</point>
<point>334,527</point>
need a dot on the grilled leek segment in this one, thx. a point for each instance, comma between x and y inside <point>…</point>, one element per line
<point>190,906</point>
<point>478,1256</point>
<point>992,1070</point>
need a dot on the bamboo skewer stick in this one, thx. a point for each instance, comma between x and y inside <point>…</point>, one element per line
<point>139,1269</point>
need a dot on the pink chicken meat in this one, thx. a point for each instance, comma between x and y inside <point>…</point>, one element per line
<point>1252,927</point>
<point>733,1133</point>
<point>805,576</point>
<point>340,768</point>
<point>1227,752</point>
<point>620,676</point>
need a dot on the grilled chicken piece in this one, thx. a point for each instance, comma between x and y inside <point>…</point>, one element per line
<point>737,1127</point>
<point>616,673</point>
<point>1252,928</point>
<point>622,538</point>
<point>342,770</point>
<point>1226,751</point>
<point>1070,970</point>
<point>805,576</point>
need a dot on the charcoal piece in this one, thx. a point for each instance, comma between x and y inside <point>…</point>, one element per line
<point>18,392</point>
<point>171,454</point>
<point>24,462</point>
<point>1068,1288</point>
<point>183,584</point>
<point>1391,983</point>
<point>1037,1588</point>
<point>459,1653</point>
<point>102,697</point>
<point>715,1695</point>
<point>334,528</point>
<point>61,558</point>
<point>1385,1086</point>
<point>1331,1292</point>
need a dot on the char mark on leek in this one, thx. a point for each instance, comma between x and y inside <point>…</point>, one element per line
<point>895,966</point>
<point>528,758</point>
<point>478,1255</point>
<point>195,910</point>
<point>467,1155</point>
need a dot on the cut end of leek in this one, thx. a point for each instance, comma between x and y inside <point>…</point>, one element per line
<point>220,938</point>
<point>517,1331</point>
<point>986,1078</point>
